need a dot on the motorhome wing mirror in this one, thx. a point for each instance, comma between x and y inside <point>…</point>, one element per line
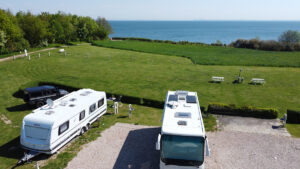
<point>158,142</point>
<point>207,148</point>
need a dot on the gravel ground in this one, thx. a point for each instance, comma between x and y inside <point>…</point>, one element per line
<point>125,146</point>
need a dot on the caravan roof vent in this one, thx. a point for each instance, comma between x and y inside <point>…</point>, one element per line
<point>73,99</point>
<point>182,123</point>
<point>49,112</point>
<point>72,105</point>
<point>85,93</point>
<point>183,114</point>
<point>63,103</point>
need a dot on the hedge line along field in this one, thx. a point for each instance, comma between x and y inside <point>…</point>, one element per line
<point>211,55</point>
<point>135,74</point>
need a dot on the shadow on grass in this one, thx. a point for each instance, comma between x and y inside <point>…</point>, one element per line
<point>138,151</point>
<point>12,149</point>
<point>214,82</point>
<point>122,117</point>
<point>22,107</point>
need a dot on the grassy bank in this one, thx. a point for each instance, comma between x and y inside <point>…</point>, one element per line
<point>134,74</point>
<point>211,55</point>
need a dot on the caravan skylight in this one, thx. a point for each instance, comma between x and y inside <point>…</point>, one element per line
<point>173,98</point>
<point>191,99</point>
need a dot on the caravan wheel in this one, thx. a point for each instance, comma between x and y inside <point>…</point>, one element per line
<point>88,126</point>
<point>82,131</point>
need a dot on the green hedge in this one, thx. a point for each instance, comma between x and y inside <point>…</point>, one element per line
<point>244,111</point>
<point>293,116</point>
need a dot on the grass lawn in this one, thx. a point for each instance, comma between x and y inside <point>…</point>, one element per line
<point>211,55</point>
<point>134,74</point>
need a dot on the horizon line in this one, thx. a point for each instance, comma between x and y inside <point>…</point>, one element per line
<point>207,20</point>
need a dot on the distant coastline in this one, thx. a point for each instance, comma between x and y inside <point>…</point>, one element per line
<point>202,31</point>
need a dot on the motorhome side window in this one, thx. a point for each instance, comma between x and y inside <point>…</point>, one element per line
<point>62,128</point>
<point>92,108</point>
<point>81,115</point>
<point>100,103</point>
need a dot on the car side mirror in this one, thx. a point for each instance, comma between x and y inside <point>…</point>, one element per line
<point>207,147</point>
<point>158,142</point>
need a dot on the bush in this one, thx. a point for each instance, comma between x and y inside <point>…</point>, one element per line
<point>244,111</point>
<point>293,116</point>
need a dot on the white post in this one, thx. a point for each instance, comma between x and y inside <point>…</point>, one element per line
<point>49,53</point>
<point>116,107</point>
<point>130,110</point>
<point>37,165</point>
<point>39,55</point>
<point>28,57</point>
<point>14,57</point>
<point>25,52</point>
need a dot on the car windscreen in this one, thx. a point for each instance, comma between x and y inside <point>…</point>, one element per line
<point>182,150</point>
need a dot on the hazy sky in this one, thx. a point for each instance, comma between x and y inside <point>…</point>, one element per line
<point>165,9</point>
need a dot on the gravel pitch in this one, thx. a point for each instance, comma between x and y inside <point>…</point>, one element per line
<point>125,146</point>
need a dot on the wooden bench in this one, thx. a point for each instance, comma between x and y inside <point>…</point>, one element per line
<point>257,81</point>
<point>217,79</point>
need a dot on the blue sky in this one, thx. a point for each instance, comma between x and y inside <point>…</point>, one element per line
<point>165,9</point>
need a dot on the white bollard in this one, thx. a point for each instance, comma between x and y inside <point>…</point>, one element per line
<point>14,57</point>
<point>25,52</point>
<point>39,55</point>
<point>37,165</point>
<point>28,57</point>
<point>116,107</point>
<point>49,53</point>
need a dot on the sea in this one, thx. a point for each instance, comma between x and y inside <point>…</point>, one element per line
<point>203,31</point>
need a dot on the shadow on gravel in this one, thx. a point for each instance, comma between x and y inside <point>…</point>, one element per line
<point>138,151</point>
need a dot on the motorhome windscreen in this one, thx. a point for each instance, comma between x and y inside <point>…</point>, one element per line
<point>173,98</point>
<point>36,132</point>
<point>182,150</point>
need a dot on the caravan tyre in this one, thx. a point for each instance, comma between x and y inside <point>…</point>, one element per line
<point>88,126</point>
<point>82,131</point>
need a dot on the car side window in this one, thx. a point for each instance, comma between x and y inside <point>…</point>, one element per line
<point>92,108</point>
<point>82,115</point>
<point>64,127</point>
<point>100,103</point>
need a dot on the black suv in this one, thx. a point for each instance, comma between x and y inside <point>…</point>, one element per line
<point>38,95</point>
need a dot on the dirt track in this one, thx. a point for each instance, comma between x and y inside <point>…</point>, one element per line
<point>126,146</point>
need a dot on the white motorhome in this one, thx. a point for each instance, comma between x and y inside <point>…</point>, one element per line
<point>182,139</point>
<point>50,127</point>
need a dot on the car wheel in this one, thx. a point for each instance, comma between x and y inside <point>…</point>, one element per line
<point>39,104</point>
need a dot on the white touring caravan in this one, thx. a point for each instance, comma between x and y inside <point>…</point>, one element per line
<point>50,127</point>
<point>182,140</point>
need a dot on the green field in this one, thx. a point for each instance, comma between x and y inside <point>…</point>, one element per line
<point>211,55</point>
<point>140,75</point>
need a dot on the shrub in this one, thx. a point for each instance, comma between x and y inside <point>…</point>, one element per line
<point>244,111</point>
<point>293,116</point>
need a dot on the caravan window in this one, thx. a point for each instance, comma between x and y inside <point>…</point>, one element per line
<point>92,108</point>
<point>81,115</point>
<point>64,127</point>
<point>100,103</point>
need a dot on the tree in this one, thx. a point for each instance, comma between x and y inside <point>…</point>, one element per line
<point>34,29</point>
<point>13,34</point>
<point>102,22</point>
<point>289,36</point>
